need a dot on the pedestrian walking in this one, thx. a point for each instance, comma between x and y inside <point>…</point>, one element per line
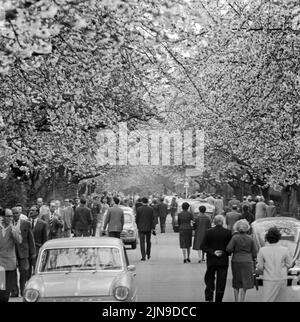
<point>261,208</point>
<point>10,236</point>
<point>39,229</point>
<point>154,206</point>
<point>185,223</point>
<point>54,222</point>
<point>219,204</point>
<point>232,217</point>
<point>243,252</point>
<point>95,210</point>
<point>214,245</point>
<point>82,220</point>
<point>247,214</point>
<point>114,219</point>
<point>202,223</point>
<point>173,209</point>
<point>271,209</point>
<point>25,252</point>
<point>162,214</point>
<point>67,217</point>
<point>234,201</point>
<point>145,225</point>
<point>273,261</point>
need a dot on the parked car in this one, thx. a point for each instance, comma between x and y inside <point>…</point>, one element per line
<point>129,235</point>
<point>82,269</point>
<point>290,237</point>
<point>194,209</point>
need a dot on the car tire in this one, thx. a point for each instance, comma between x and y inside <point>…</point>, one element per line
<point>133,245</point>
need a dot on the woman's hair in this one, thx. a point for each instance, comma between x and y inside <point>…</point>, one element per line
<point>273,235</point>
<point>185,206</point>
<point>202,209</point>
<point>242,226</point>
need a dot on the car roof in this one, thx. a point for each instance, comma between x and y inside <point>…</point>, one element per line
<point>125,208</point>
<point>83,242</point>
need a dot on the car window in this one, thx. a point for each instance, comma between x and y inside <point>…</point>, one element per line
<point>87,258</point>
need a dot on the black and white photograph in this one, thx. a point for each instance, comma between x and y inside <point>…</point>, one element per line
<point>149,153</point>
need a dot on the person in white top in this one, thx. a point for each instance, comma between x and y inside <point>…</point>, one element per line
<point>273,261</point>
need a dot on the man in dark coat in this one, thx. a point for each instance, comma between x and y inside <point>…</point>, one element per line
<point>162,214</point>
<point>39,229</point>
<point>25,252</point>
<point>214,245</point>
<point>54,222</point>
<point>145,224</point>
<point>82,220</point>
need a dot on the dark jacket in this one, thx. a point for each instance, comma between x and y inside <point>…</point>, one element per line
<point>82,219</point>
<point>40,233</point>
<point>145,218</point>
<point>54,230</point>
<point>162,210</point>
<point>216,238</point>
<point>184,220</point>
<point>27,248</point>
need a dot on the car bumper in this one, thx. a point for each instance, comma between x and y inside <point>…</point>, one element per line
<point>128,240</point>
<point>83,299</point>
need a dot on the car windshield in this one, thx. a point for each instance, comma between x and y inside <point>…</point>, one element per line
<point>128,218</point>
<point>80,259</point>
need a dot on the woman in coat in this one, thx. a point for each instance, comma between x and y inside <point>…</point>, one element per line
<point>202,223</point>
<point>243,252</point>
<point>273,261</point>
<point>185,222</point>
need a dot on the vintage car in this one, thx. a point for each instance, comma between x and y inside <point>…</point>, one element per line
<point>129,235</point>
<point>194,209</point>
<point>92,269</point>
<point>290,237</point>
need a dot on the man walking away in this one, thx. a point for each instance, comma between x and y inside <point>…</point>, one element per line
<point>162,214</point>
<point>114,219</point>
<point>214,245</point>
<point>82,220</point>
<point>145,224</point>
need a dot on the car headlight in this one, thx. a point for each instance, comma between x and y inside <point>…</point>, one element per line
<point>121,293</point>
<point>130,232</point>
<point>31,295</point>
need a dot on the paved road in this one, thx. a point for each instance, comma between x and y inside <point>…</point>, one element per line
<point>165,278</point>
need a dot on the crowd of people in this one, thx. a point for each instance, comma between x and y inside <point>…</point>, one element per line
<point>227,233</point>
<point>216,237</point>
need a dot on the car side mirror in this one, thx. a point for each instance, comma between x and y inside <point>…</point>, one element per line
<point>131,268</point>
